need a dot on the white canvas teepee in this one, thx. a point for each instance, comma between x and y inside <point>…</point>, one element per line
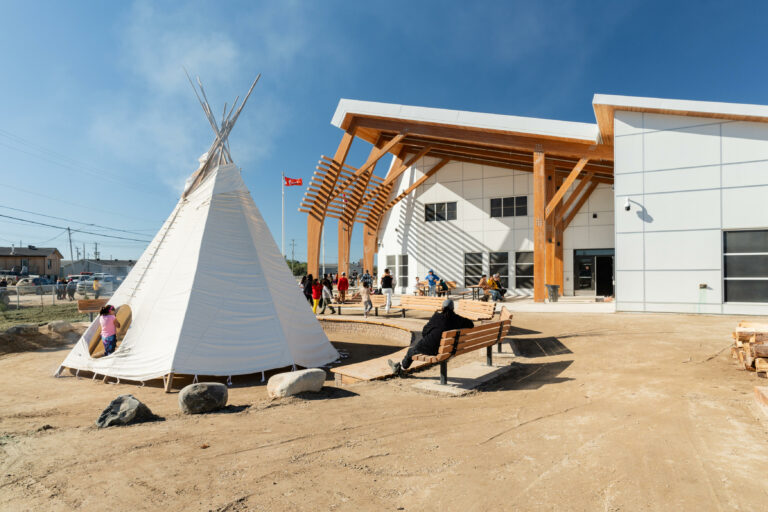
<point>211,295</point>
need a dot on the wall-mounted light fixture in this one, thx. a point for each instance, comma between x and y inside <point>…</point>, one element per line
<point>627,206</point>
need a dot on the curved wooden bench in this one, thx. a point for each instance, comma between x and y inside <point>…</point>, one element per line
<point>475,309</point>
<point>461,341</point>
<point>378,301</point>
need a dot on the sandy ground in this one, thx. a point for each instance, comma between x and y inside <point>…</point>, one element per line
<point>606,412</point>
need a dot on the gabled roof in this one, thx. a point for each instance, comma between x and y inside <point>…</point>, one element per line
<point>29,251</point>
<point>606,104</point>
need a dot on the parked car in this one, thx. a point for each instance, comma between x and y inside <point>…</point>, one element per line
<point>86,285</point>
<point>38,285</point>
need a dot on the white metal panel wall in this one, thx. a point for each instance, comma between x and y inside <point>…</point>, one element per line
<point>687,180</point>
<point>441,245</point>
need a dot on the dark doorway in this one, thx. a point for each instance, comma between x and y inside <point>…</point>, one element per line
<point>593,272</point>
<point>604,275</point>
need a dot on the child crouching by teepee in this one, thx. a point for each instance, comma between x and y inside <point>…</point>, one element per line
<point>109,326</point>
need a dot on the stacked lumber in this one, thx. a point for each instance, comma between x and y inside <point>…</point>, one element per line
<point>750,347</point>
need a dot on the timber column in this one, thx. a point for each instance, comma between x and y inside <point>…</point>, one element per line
<point>539,227</point>
<point>549,169</point>
<point>316,217</point>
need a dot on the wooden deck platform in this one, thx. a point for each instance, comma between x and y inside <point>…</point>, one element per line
<point>373,369</point>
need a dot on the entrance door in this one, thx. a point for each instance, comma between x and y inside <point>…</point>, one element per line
<point>604,275</point>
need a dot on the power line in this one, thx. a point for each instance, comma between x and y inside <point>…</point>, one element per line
<point>74,230</point>
<point>72,220</point>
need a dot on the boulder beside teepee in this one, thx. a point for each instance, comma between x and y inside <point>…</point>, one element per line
<point>211,295</point>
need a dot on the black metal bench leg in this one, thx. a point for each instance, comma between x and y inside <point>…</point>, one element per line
<point>444,372</point>
<point>489,355</point>
<point>499,349</point>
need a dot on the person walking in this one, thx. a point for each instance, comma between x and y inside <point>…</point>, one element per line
<point>308,288</point>
<point>387,289</point>
<point>96,288</point>
<point>432,280</point>
<point>327,296</point>
<point>367,279</point>
<point>317,294</point>
<point>343,286</point>
<point>365,297</point>
<point>71,289</point>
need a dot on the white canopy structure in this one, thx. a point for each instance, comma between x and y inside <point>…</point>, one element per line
<point>211,295</point>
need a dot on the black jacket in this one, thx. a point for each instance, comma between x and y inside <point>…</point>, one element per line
<point>437,325</point>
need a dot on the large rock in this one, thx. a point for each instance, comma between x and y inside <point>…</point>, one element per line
<point>23,329</point>
<point>290,383</point>
<point>124,410</point>
<point>203,397</point>
<point>59,326</point>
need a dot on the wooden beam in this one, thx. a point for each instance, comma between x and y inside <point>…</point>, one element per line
<point>569,148</point>
<point>549,170</point>
<point>415,158</point>
<point>417,183</point>
<point>316,218</point>
<point>372,159</point>
<point>564,187</point>
<point>539,227</point>
<point>568,218</point>
<point>579,188</point>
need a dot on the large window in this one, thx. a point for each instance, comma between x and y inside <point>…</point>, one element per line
<point>509,206</point>
<point>473,268</point>
<point>398,267</point>
<point>439,211</point>
<point>402,271</point>
<point>524,270</point>
<point>746,266</point>
<point>499,264</point>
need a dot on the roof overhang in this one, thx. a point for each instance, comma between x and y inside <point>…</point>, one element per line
<point>372,121</point>
<point>606,104</point>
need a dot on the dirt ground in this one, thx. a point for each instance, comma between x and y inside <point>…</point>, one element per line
<point>602,412</point>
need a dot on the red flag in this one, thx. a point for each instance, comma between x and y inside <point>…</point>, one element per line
<point>290,182</point>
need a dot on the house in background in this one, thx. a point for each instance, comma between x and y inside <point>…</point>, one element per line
<point>38,260</point>
<point>117,268</point>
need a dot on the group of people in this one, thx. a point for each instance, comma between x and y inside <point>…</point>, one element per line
<point>492,288</point>
<point>436,286</point>
<point>319,292</point>
<point>66,289</point>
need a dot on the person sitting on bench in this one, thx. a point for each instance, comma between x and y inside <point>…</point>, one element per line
<point>429,344</point>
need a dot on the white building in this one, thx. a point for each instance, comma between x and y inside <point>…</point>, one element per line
<point>665,208</point>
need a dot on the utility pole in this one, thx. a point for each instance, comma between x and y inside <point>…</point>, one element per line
<point>95,250</point>
<point>293,246</point>
<point>69,233</point>
<point>282,230</point>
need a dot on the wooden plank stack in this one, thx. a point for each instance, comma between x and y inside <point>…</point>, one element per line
<point>750,347</point>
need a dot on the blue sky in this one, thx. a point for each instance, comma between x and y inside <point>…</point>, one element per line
<point>98,124</point>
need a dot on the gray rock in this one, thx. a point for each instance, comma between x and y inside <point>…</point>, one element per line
<point>23,329</point>
<point>124,410</point>
<point>59,326</point>
<point>291,383</point>
<point>203,397</point>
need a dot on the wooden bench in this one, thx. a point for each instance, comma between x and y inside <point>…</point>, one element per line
<point>91,306</point>
<point>461,341</point>
<point>378,301</point>
<point>474,310</point>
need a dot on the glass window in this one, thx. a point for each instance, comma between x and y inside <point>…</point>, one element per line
<point>450,209</point>
<point>473,268</point>
<point>429,212</point>
<point>499,264</point>
<point>391,263</point>
<point>402,271</point>
<point>524,270</point>
<point>521,206</point>
<point>745,266</point>
<point>496,207</point>
<point>509,206</point>
<point>440,211</point>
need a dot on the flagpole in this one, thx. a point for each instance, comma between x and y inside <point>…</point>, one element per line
<point>324,248</point>
<point>282,187</point>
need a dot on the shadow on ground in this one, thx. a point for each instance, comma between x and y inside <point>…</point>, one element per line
<point>531,376</point>
<point>537,347</point>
